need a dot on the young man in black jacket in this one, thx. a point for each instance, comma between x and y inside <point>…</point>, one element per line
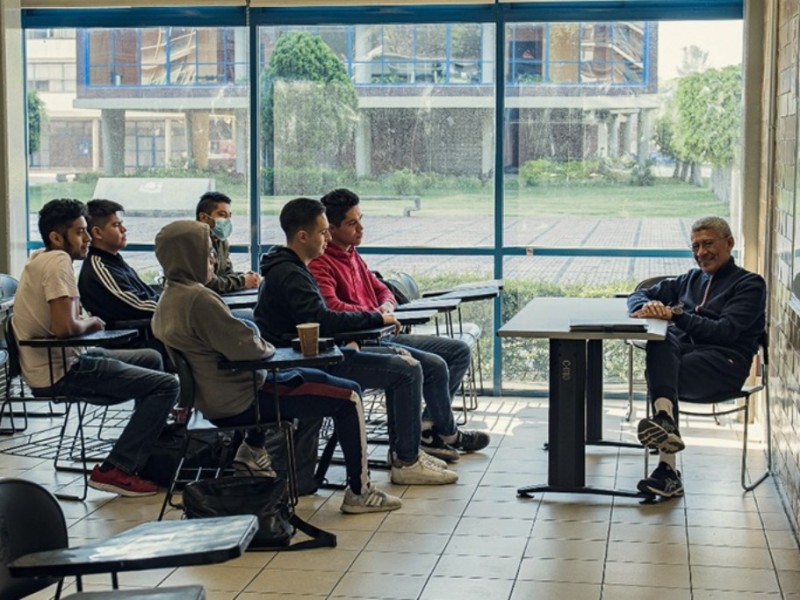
<point>110,288</point>
<point>717,315</point>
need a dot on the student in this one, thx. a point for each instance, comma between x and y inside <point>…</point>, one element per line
<point>214,209</point>
<point>290,295</point>
<point>109,287</point>
<point>47,304</point>
<point>347,284</point>
<point>718,314</point>
<point>194,320</point>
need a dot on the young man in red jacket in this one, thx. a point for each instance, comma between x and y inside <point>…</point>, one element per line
<point>347,284</point>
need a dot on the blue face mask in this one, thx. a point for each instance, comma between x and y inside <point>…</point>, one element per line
<point>222,228</point>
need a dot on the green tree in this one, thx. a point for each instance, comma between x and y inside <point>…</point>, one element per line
<point>308,106</point>
<point>708,108</point>
<point>36,120</point>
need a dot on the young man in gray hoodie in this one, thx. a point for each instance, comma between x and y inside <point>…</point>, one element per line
<point>194,320</point>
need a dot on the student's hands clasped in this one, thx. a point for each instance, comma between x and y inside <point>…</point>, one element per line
<point>251,280</point>
<point>654,309</point>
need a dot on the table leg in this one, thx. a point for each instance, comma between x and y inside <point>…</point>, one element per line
<point>566,470</point>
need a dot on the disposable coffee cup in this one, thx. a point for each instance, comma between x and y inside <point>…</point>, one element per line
<point>309,338</point>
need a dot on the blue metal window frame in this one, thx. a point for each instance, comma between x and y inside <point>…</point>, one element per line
<point>497,14</point>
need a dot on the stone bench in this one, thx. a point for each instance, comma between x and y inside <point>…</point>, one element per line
<point>416,202</point>
<point>150,196</point>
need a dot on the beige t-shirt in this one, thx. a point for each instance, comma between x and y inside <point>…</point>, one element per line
<point>48,275</point>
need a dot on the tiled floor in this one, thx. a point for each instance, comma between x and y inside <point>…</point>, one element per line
<point>477,540</point>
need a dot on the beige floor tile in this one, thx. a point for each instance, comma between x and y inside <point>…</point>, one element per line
<point>566,549</point>
<point>553,590</point>
<point>482,567</point>
<point>444,507</point>
<point>715,518</point>
<point>493,526</point>
<point>725,536</point>
<point>570,530</point>
<point>371,585</point>
<point>415,523</point>
<point>786,559</point>
<point>407,563</point>
<point>484,545</point>
<point>564,570</point>
<point>731,595</point>
<point>285,581</point>
<point>716,556</point>
<point>647,574</point>
<point>656,533</point>
<point>629,592</point>
<point>448,588</point>
<point>734,579</point>
<point>645,552</point>
<point>428,543</point>
<point>213,577</point>
<point>317,559</point>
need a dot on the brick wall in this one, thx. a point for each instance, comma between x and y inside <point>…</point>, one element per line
<point>784,316</point>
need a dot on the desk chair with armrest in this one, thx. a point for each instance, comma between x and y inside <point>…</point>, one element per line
<point>70,443</point>
<point>31,520</point>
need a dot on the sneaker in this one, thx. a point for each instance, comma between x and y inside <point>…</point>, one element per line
<point>433,445</point>
<point>250,460</point>
<point>470,441</point>
<point>390,456</point>
<point>660,432</point>
<point>369,501</point>
<point>120,482</point>
<point>421,472</point>
<point>664,481</point>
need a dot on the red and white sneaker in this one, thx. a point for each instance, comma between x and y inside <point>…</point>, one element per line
<point>119,482</point>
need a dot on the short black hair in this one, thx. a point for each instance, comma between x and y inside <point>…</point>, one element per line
<point>208,202</point>
<point>57,215</point>
<point>337,203</point>
<point>100,210</point>
<point>300,213</point>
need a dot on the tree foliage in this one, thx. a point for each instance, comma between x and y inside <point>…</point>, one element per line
<point>308,104</point>
<point>36,120</point>
<point>708,108</point>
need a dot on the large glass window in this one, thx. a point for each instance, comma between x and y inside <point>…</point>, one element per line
<point>152,118</point>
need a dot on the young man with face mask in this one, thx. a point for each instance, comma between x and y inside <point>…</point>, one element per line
<point>717,315</point>
<point>214,209</point>
<point>47,304</point>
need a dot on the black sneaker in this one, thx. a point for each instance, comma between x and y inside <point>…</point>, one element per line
<point>660,432</point>
<point>664,481</point>
<point>431,443</point>
<point>470,441</point>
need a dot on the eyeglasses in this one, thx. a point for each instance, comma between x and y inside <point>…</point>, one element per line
<point>705,244</point>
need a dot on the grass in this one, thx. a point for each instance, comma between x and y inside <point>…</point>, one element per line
<point>667,198</point>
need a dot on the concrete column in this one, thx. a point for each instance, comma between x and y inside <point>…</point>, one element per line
<point>625,134</point>
<point>645,134</point>
<point>363,145</point>
<point>362,70</point>
<point>612,125</point>
<point>240,139</point>
<point>487,136</point>
<point>13,217</point>
<point>602,138</point>
<point>96,143</point>
<point>113,140</point>
<point>197,137</point>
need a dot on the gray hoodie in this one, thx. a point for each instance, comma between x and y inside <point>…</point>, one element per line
<point>193,319</point>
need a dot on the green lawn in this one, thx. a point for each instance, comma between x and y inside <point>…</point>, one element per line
<point>667,198</point>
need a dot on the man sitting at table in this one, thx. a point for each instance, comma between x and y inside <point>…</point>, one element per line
<point>110,288</point>
<point>717,315</point>
<point>47,304</point>
<point>194,320</point>
<point>214,209</point>
<point>290,295</point>
<point>347,284</point>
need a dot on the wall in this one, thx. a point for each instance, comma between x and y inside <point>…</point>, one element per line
<point>780,214</point>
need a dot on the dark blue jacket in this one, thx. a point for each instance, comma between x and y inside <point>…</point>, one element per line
<point>733,317</point>
<point>289,295</point>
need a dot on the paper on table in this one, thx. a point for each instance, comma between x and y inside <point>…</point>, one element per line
<point>623,324</point>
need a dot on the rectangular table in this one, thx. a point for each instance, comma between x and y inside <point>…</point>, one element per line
<point>243,299</point>
<point>575,382</point>
<point>154,545</point>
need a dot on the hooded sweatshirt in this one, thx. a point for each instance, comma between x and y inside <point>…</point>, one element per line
<point>289,295</point>
<point>194,320</point>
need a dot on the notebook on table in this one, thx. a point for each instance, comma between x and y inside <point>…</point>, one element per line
<point>624,324</point>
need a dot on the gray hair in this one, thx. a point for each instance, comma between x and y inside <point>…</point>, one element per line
<point>716,224</point>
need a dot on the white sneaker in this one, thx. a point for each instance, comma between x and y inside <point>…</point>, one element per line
<point>368,501</point>
<point>422,472</point>
<point>438,462</point>
<point>250,460</point>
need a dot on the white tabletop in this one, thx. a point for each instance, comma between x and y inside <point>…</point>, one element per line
<point>549,317</point>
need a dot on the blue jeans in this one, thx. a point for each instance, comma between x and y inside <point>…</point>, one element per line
<point>444,362</point>
<point>109,377</point>
<point>380,367</point>
<point>304,393</point>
